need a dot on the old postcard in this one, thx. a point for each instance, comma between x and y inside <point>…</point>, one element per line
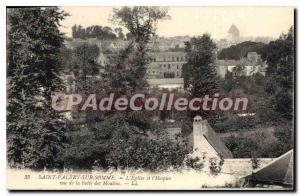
<point>150,98</point>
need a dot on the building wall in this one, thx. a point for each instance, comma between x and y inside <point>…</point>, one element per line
<point>166,64</point>
<point>242,167</point>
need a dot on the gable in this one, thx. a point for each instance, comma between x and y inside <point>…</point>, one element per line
<point>215,141</point>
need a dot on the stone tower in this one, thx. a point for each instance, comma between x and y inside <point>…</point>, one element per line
<point>233,34</point>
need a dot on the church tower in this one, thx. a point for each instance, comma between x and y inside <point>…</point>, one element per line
<point>233,34</point>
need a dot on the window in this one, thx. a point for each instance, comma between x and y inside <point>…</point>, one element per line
<point>182,58</point>
<point>177,58</point>
<point>177,66</point>
<point>164,65</point>
<point>169,66</point>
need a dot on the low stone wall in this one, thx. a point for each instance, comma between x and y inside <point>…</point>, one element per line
<point>242,167</point>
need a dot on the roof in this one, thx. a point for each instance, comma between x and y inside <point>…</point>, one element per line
<point>233,29</point>
<point>168,54</point>
<point>165,81</point>
<point>279,171</point>
<point>215,141</point>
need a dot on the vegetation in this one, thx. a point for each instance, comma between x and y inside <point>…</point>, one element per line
<point>95,31</point>
<point>194,162</point>
<point>241,50</point>
<point>131,139</point>
<point>40,138</point>
<point>199,74</point>
<point>271,99</point>
<point>35,133</point>
<point>215,166</point>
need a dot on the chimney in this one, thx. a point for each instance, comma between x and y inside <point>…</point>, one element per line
<point>198,130</point>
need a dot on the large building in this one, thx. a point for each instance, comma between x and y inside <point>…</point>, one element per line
<point>165,64</point>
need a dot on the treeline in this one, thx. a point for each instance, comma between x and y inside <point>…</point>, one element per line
<point>240,50</point>
<point>99,32</point>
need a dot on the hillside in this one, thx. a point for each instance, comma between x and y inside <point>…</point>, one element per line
<point>240,50</point>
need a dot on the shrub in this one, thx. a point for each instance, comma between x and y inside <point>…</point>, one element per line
<point>255,163</point>
<point>194,162</point>
<point>145,153</point>
<point>216,165</point>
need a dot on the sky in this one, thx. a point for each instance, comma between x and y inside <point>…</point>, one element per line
<point>193,21</point>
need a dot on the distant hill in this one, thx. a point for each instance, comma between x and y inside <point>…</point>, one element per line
<point>240,50</point>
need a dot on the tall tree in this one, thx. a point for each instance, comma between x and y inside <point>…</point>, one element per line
<point>279,55</point>
<point>199,71</point>
<point>131,62</point>
<point>36,133</point>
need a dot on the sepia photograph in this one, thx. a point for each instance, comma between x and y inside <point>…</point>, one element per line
<point>150,98</point>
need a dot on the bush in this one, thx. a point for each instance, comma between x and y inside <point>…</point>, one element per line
<point>216,165</point>
<point>234,124</point>
<point>255,163</point>
<point>194,163</point>
<point>114,143</point>
<point>142,152</point>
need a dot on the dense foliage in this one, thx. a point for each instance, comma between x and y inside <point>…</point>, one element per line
<point>199,73</point>
<point>36,133</point>
<point>241,50</point>
<point>95,31</point>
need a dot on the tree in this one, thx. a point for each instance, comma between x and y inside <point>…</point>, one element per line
<point>94,31</point>
<point>78,32</point>
<point>129,67</point>
<point>279,55</point>
<point>121,140</point>
<point>241,50</point>
<point>129,36</point>
<point>85,59</point>
<point>119,32</point>
<point>140,21</point>
<point>36,133</point>
<point>202,79</point>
